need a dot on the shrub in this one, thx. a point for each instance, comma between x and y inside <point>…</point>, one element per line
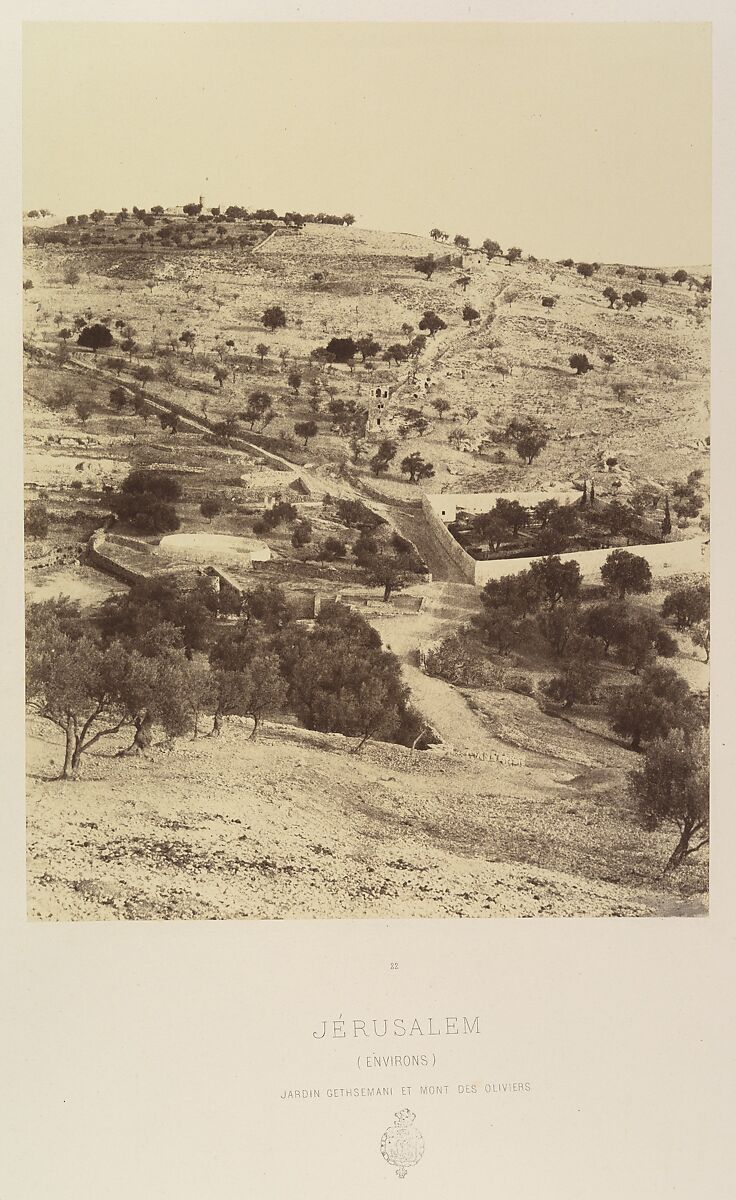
<point>302,535</point>
<point>521,684</point>
<point>156,483</point>
<point>331,549</point>
<point>36,520</point>
<point>456,659</point>
<point>576,685</point>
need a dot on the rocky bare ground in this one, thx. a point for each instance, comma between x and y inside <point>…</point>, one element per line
<point>294,825</point>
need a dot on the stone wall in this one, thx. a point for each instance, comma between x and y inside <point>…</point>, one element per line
<point>664,558</point>
<point>438,527</point>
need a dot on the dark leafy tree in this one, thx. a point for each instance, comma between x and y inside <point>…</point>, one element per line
<point>661,700</point>
<point>513,255</point>
<point>688,604</point>
<point>416,468</point>
<point>687,499</point>
<point>426,265</point>
<point>367,347</point>
<point>210,507</point>
<point>343,681</point>
<point>432,323</point>
<point>441,406</point>
<point>624,572</point>
<point>560,625</point>
<point>530,442</point>
<point>302,535</point>
<point>332,548</point>
<point>580,363</point>
<point>342,350</point>
<point>84,409</point>
<point>556,580</point>
<point>386,570</point>
<point>306,429</point>
<point>585,269</point>
<point>470,314</point>
<point>95,337</point>
<point>169,421</point>
<point>119,398</point>
<point>666,529</point>
<point>672,788</point>
<point>611,296</point>
<point>641,636</point>
<point>491,249</point>
<point>274,318</point>
<point>384,456</point>
<point>259,403</point>
<point>396,352</point>
<point>256,690</point>
<point>492,528</point>
<point>520,594</point>
<point>577,684</point>
<point>90,691</point>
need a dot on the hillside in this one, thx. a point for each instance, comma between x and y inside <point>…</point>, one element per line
<point>292,824</point>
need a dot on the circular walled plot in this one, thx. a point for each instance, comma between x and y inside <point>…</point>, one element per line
<point>217,547</point>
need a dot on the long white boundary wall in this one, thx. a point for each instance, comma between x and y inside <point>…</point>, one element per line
<point>664,558</point>
<point>445,504</point>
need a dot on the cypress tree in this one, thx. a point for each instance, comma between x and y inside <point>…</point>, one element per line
<point>666,519</point>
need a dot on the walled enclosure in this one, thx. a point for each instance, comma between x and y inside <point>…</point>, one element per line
<point>664,558</point>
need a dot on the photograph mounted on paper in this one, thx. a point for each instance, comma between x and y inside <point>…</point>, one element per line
<point>366,409</point>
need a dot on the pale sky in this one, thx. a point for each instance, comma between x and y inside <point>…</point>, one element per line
<point>583,140</point>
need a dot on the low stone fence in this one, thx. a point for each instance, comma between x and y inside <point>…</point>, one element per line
<point>99,555</point>
<point>55,558</point>
<point>506,760</point>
